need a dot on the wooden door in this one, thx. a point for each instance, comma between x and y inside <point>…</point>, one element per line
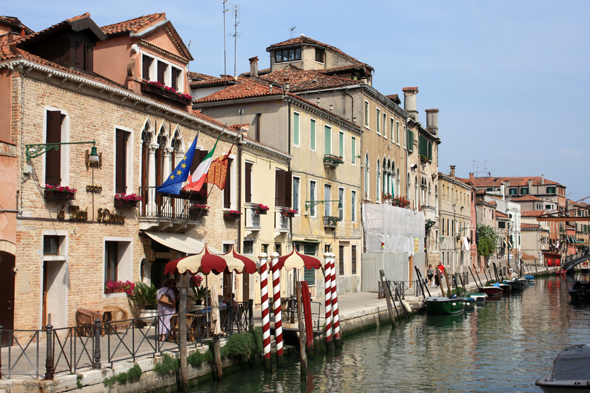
<point>7,275</point>
<point>245,287</point>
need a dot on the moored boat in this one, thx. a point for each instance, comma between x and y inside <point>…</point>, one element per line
<point>480,297</point>
<point>580,292</point>
<point>442,305</point>
<point>491,291</point>
<point>570,371</point>
<point>514,283</point>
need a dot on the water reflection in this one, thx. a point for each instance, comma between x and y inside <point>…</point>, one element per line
<point>503,346</point>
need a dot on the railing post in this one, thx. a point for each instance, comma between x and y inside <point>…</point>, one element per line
<point>49,355</point>
<point>250,315</point>
<point>96,362</point>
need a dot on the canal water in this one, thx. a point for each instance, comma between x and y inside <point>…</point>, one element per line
<point>503,346</point>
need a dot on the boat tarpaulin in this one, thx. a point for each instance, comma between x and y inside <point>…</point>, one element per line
<point>572,363</point>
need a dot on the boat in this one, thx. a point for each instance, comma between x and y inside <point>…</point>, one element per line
<point>480,297</point>
<point>529,277</point>
<point>442,305</point>
<point>491,291</point>
<point>580,291</point>
<point>567,373</point>
<point>506,288</point>
<point>515,283</point>
<point>469,303</point>
<point>524,283</point>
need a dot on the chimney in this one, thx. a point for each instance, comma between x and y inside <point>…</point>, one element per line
<point>471,177</point>
<point>452,171</point>
<point>432,121</point>
<point>22,31</point>
<point>542,180</point>
<point>254,66</point>
<point>410,101</point>
<point>530,186</point>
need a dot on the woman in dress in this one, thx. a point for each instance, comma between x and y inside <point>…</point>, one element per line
<point>164,312</point>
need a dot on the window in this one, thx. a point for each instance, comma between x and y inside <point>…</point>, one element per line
<point>385,125</point>
<point>118,259</point>
<point>248,246</point>
<point>353,259</point>
<point>397,132</point>
<point>121,160</point>
<point>162,67</point>
<point>501,225</point>
<point>228,184</point>
<point>378,183</point>
<point>312,135</point>
<point>512,191</point>
<point>353,206</point>
<point>353,150</point>
<point>524,190</point>
<point>51,245</point>
<point>283,184</point>
<point>287,55</point>
<point>327,197</point>
<point>175,78</point>
<point>320,55</point>
<point>405,138</point>
<point>53,158</point>
<point>443,227</point>
<point>550,190</point>
<point>296,128</point>
<point>145,67</point>
<point>81,56</point>
<point>341,204</point>
<point>312,197</point>
<point>296,193</point>
<point>308,249</point>
<point>391,129</point>
<point>410,139</point>
<point>341,260</point>
<point>248,182</point>
<point>378,119</point>
<point>341,145</point>
<point>328,139</point>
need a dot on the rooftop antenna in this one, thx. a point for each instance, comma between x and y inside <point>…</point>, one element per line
<point>224,47</point>
<point>236,23</point>
<point>292,29</point>
<point>189,49</point>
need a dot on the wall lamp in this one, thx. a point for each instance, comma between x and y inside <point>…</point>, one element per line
<point>38,149</point>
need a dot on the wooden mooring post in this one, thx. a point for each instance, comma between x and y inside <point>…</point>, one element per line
<point>387,296</point>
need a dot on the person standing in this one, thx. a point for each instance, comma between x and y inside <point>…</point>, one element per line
<point>430,274</point>
<point>166,306</point>
<point>441,268</point>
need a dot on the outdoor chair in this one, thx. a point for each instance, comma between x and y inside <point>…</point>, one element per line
<point>118,317</point>
<point>190,329</point>
<point>85,321</point>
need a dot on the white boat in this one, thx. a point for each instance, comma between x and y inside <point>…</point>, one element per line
<point>570,372</point>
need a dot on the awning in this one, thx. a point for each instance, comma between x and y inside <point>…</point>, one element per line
<point>180,242</point>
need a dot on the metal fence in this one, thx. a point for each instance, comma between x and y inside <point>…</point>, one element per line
<point>67,350</point>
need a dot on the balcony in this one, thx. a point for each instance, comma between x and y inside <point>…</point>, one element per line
<point>166,91</point>
<point>281,223</point>
<point>252,219</point>
<point>158,212</point>
<point>332,161</point>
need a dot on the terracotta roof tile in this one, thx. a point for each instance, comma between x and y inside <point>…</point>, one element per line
<point>529,226</point>
<point>341,69</point>
<point>527,198</point>
<point>394,98</point>
<point>132,25</point>
<point>197,113</point>
<point>501,215</point>
<point>213,82</point>
<point>410,89</point>
<point>514,181</point>
<point>532,213</point>
<point>300,80</point>
<point>15,22</point>
<point>197,76</point>
<point>21,40</point>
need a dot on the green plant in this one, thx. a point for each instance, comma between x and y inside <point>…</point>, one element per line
<point>132,375</point>
<point>79,381</point>
<point>144,296</point>
<point>246,345</point>
<point>200,293</point>
<point>167,365</point>
<point>198,358</point>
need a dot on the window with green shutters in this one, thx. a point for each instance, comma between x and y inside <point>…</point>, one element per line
<point>308,249</point>
<point>296,128</point>
<point>353,150</point>
<point>312,134</point>
<point>425,148</point>
<point>341,145</point>
<point>410,139</point>
<point>328,140</point>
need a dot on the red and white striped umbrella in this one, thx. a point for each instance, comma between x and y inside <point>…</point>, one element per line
<point>206,262</point>
<point>295,260</point>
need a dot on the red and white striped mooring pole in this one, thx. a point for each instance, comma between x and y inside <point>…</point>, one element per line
<point>265,312</point>
<point>276,287</point>
<point>328,303</point>
<point>335,318</point>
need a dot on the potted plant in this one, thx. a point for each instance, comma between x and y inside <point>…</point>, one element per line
<point>144,303</point>
<point>198,210</point>
<point>200,292</point>
<point>122,199</point>
<point>387,196</point>
<point>59,192</point>
<point>231,214</point>
<point>166,91</point>
<point>288,212</point>
<point>259,208</point>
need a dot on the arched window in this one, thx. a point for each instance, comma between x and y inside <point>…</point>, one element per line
<point>378,183</point>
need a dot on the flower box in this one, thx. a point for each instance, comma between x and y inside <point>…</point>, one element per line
<point>124,203</point>
<point>196,211</point>
<point>333,161</point>
<point>59,192</point>
<point>119,287</point>
<point>127,199</point>
<point>166,92</point>
<point>231,215</point>
<point>286,212</point>
<point>259,208</point>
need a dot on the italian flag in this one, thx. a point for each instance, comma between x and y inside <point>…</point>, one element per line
<point>198,177</point>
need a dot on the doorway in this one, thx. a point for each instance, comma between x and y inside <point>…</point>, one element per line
<point>55,294</point>
<point>7,277</point>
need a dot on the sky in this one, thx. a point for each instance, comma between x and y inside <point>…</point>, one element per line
<point>511,79</point>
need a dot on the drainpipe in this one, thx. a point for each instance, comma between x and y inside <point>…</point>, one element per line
<point>240,190</point>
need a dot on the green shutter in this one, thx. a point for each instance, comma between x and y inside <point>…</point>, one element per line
<point>328,140</point>
<point>312,134</point>
<point>296,128</point>
<point>341,144</point>
<point>353,148</point>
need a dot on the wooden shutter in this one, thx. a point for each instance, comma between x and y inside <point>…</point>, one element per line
<point>161,69</point>
<point>227,188</point>
<point>53,157</point>
<point>341,260</point>
<point>288,188</point>
<point>175,74</point>
<point>121,161</point>
<point>353,259</point>
<point>280,188</point>
<point>248,182</point>
<point>80,53</point>
<point>145,73</point>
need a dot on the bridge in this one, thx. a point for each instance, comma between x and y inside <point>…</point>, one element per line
<point>569,265</point>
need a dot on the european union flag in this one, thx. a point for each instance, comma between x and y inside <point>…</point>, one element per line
<point>173,184</point>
